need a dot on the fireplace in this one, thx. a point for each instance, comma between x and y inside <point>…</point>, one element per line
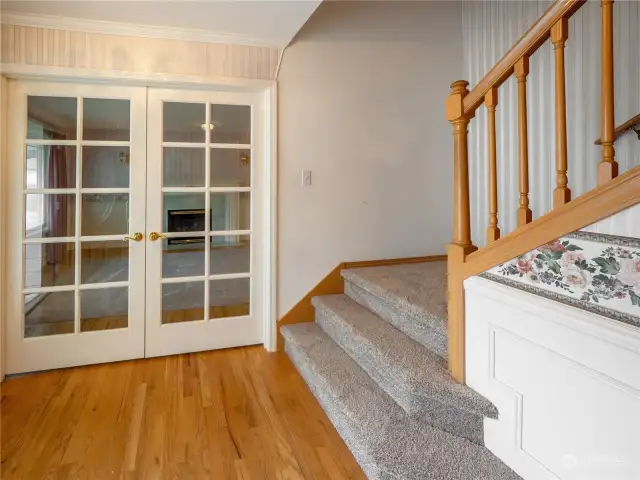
<point>186,221</point>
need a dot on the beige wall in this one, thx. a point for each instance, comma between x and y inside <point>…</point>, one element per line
<point>60,48</point>
<point>3,216</point>
<point>361,104</point>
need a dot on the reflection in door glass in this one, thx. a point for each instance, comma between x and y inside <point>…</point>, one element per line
<point>229,298</point>
<point>231,124</point>
<point>104,309</point>
<point>50,215</point>
<point>104,262</point>
<point>105,167</point>
<point>183,122</point>
<point>52,118</point>
<point>49,264</point>
<point>49,313</point>
<point>50,166</point>
<point>182,302</point>
<point>230,211</point>
<point>105,213</point>
<point>105,119</point>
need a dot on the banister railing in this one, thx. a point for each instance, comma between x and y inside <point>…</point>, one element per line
<point>461,107</point>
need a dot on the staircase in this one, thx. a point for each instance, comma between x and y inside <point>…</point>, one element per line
<point>375,359</point>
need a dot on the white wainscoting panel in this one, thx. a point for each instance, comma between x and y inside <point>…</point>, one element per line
<point>566,383</point>
<point>490,28</point>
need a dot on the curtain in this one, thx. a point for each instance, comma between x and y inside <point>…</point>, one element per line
<point>57,207</point>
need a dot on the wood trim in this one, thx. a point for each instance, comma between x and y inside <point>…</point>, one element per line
<point>528,43</point>
<point>620,193</point>
<point>622,129</point>
<point>332,283</point>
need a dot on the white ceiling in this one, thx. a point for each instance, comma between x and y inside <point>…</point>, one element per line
<point>263,22</point>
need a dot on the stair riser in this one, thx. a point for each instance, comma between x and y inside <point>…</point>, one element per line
<point>446,417</point>
<point>420,329</point>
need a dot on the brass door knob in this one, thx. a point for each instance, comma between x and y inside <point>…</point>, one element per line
<point>136,237</point>
<point>153,236</point>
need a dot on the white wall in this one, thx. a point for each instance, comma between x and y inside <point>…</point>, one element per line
<point>625,223</point>
<point>490,29</point>
<point>361,104</point>
<point>565,381</point>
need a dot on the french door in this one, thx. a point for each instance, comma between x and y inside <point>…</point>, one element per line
<point>132,223</point>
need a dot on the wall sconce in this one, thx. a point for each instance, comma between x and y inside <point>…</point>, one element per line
<point>124,158</point>
<point>244,158</point>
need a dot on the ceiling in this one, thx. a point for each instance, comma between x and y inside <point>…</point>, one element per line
<point>262,22</point>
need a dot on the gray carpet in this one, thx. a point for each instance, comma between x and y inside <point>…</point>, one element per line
<point>386,442</point>
<point>416,378</point>
<point>374,359</point>
<point>412,298</point>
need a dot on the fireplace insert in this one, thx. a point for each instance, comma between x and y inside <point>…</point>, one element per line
<point>189,220</point>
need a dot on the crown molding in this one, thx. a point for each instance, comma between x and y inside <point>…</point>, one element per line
<point>131,29</point>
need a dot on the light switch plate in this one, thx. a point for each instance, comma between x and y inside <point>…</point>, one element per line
<point>306,178</point>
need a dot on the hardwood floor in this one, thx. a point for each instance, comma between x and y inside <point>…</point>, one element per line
<point>239,414</point>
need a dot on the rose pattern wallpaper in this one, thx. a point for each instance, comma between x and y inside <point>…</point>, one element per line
<point>595,272</point>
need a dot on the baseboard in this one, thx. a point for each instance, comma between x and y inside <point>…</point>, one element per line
<point>332,283</point>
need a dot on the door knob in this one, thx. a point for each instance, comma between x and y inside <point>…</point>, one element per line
<point>136,237</point>
<point>153,236</point>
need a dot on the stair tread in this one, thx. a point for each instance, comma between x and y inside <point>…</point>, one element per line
<point>407,370</point>
<point>417,287</point>
<point>387,442</point>
<point>412,297</point>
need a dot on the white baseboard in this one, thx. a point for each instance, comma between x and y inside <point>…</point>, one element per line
<point>566,383</point>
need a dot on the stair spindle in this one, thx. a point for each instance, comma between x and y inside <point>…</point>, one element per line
<point>559,35</point>
<point>608,167</point>
<point>524,212</point>
<point>491,101</point>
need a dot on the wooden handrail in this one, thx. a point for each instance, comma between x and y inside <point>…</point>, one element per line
<point>601,202</point>
<point>528,44</point>
<point>626,126</point>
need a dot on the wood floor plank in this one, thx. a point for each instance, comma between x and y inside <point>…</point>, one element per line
<point>226,415</point>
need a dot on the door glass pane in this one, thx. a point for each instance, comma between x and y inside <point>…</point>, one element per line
<point>104,262</point>
<point>230,167</point>
<point>49,314</point>
<point>231,124</point>
<point>52,118</point>
<point>230,211</point>
<point>104,309</point>
<point>182,302</point>
<point>50,166</point>
<point>183,122</point>
<point>229,298</point>
<point>183,257</point>
<point>49,264</point>
<point>230,254</point>
<point>50,215</point>
<point>183,167</point>
<point>105,213</point>
<point>105,167</point>
<point>105,119</point>
<point>183,212</point>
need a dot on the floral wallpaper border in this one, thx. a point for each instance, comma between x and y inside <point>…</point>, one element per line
<point>594,272</point>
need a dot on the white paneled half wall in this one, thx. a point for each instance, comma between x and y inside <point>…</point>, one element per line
<point>490,28</point>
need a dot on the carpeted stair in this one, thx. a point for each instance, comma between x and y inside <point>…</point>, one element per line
<point>375,360</point>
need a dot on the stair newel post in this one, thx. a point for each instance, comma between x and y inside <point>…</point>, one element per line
<point>559,35</point>
<point>461,245</point>
<point>608,167</point>
<point>491,102</point>
<point>524,212</point>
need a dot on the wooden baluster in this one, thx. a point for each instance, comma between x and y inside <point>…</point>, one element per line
<point>608,167</point>
<point>461,246</point>
<point>491,101</point>
<point>524,212</point>
<point>559,35</point>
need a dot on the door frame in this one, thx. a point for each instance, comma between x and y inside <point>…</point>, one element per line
<point>268,88</point>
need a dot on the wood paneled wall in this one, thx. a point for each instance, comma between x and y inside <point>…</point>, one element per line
<point>61,48</point>
<point>490,28</point>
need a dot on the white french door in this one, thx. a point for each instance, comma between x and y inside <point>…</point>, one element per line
<point>133,229</point>
<point>204,261</point>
